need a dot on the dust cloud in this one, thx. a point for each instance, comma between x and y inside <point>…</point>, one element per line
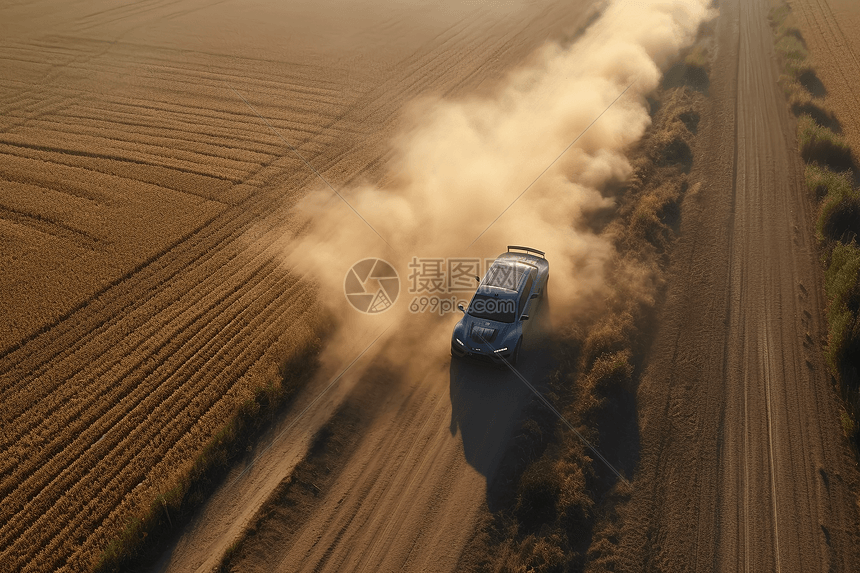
<point>459,164</point>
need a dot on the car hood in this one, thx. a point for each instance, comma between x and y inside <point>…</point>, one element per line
<point>482,332</point>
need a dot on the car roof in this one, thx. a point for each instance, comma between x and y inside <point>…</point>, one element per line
<point>506,275</point>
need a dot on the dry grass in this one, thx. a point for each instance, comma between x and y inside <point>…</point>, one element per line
<point>798,80</point>
<point>793,52</point>
<point>822,146</point>
<point>830,174</point>
<point>778,15</point>
<point>141,217</point>
<point>697,68</point>
<point>849,428</point>
<point>141,300</point>
<point>843,295</point>
<point>697,58</point>
<point>842,285</point>
<point>559,492</point>
<point>789,42</point>
<point>802,102</point>
<point>145,534</point>
<point>839,211</point>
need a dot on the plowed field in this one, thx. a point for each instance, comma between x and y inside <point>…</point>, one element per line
<point>141,207</point>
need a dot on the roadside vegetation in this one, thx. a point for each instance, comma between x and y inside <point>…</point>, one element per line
<point>147,534</point>
<point>557,500</point>
<point>832,178</point>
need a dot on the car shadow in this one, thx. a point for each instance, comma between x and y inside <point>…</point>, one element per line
<point>487,401</point>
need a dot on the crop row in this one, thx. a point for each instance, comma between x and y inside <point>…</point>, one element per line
<point>136,379</point>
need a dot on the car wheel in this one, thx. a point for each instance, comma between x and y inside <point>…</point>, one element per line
<point>516,355</point>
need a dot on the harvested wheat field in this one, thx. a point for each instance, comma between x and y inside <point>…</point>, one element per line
<point>142,295</point>
<point>830,30</point>
<point>184,185</point>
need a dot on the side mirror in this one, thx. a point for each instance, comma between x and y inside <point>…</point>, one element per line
<point>524,317</point>
<point>460,306</point>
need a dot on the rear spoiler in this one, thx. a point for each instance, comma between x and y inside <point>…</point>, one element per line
<point>527,249</point>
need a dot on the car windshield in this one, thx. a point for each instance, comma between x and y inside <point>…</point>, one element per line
<point>493,308</point>
<point>505,275</point>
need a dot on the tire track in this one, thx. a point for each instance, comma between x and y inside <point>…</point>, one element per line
<point>840,50</point>
<point>53,227</point>
<point>764,422</point>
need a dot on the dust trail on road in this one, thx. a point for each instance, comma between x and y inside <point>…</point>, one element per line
<point>407,499</point>
<point>458,164</point>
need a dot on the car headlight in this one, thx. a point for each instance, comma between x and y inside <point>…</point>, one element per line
<point>501,349</point>
<point>460,341</point>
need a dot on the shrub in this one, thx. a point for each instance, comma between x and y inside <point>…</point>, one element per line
<point>697,58</point>
<point>696,68</point>
<point>848,425</point>
<point>822,182</point>
<point>610,335</point>
<point>840,220</point>
<point>610,373</point>
<point>540,555</point>
<point>839,215</point>
<point>842,285</point>
<point>820,145</point>
<point>802,103</point>
<point>792,89</point>
<point>538,493</point>
<point>790,47</point>
<point>778,15</point>
<point>794,54</point>
<point>574,504</point>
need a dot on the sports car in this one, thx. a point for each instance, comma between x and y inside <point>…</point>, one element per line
<point>491,329</point>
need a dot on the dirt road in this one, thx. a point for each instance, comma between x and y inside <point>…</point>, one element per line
<point>744,466</point>
<point>412,492</point>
